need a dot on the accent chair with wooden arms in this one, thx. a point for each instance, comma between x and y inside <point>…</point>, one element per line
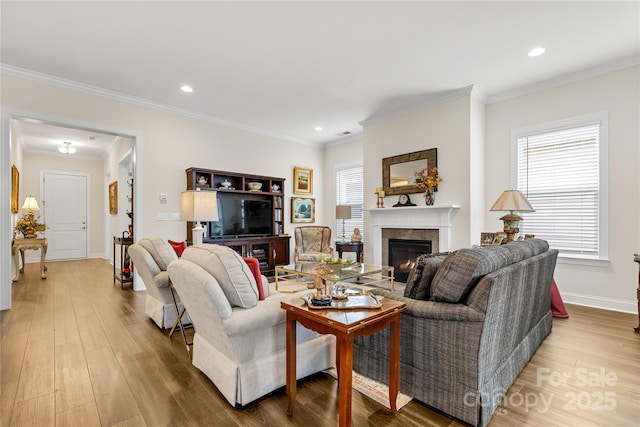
<point>312,243</point>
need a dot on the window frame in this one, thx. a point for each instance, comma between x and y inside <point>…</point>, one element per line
<point>602,119</point>
<point>348,223</point>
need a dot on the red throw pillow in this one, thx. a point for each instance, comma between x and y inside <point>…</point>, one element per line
<point>254,266</point>
<point>179,247</point>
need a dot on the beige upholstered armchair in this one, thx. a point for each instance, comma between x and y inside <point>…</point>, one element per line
<point>151,256</point>
<point>312,243</point>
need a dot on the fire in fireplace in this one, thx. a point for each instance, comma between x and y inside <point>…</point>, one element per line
<point>403,254</point>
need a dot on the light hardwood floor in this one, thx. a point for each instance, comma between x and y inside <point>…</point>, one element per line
<point>79,351</point>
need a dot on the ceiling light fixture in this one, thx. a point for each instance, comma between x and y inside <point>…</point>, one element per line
<point>67,148</point>
<point>186,88</point>
<point>318,128</point>
<point>536,51</point>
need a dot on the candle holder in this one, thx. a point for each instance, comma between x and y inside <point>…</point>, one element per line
<point>380,193</point>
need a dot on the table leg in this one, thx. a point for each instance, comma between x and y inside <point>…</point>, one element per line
<point>43,254</point>
<point>394,362</point>
<point>345,367</point>
<point>16,261</point>
<point>22,258</point>
<point>291,364</point>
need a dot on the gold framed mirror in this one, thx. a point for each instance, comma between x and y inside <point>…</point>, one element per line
<point>398,172</point>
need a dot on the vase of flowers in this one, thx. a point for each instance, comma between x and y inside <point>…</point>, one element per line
<point>29,226</point>
<point>427,180</point>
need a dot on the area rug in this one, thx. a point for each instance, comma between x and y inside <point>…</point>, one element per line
<point>373,389</point>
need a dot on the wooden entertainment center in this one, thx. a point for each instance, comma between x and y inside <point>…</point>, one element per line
<point>269,244</point>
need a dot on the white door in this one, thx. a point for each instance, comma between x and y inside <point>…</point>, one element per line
<point>65,212</point>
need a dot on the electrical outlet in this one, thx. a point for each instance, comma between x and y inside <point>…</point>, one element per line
<point>162,216</point>
<point>163,197</point>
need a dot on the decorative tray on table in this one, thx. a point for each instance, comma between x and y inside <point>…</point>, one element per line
<point>353,302</point>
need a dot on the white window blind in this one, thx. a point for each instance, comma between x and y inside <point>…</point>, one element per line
<point>559,172</point>
<point>350,191</point>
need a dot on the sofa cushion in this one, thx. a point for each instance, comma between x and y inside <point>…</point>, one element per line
<point>160,250</point>
<point>229,269</point>
<point>254,266</point>
<point>179,247</point>
<point>418,284</point>
<point>461,271</point>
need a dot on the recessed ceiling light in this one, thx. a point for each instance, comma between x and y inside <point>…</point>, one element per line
<point>318,128</point>
<point>186,88</point>
<point>537,51</point>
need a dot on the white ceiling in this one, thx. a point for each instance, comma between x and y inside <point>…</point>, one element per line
<point>283,68</point>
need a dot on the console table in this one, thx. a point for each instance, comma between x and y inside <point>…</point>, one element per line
<point>17,250</point>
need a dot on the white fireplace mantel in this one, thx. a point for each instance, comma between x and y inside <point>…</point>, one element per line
<point>436,217</point>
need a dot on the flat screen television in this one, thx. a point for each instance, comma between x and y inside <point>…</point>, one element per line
<point>242,215</point>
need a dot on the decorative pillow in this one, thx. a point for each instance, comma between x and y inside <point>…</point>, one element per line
<point>461,271</point>
<point>421,275</point>
<point>179,247</point>
<point>231,272</point>
<point>254,266</point>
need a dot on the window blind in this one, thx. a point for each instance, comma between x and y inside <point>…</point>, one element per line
<point>558,171</point>
<point>350,191</point>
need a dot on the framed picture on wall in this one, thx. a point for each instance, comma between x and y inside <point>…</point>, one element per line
<point>302,180</point>
<point>15,189</point>
<point>303,210</point>
<point>113,197</point>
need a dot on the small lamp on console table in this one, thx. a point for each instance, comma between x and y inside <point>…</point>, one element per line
<point>196,206</point>
<point>512,200</point>
<point>343,212</point>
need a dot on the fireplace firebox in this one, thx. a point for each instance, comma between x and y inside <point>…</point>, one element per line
<point>403,254</point>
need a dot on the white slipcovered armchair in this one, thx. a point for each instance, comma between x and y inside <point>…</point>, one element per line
<point>239,340</point>
<point>151,256</point>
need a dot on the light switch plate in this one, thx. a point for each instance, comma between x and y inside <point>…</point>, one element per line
<point>163,197</point>
<point>162,216</point>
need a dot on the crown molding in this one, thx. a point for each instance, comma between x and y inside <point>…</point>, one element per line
<point>428,102</point>
<point>118,96</point>
<point>567,78</point>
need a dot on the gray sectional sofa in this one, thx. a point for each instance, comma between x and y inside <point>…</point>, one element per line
<point>473,319</point>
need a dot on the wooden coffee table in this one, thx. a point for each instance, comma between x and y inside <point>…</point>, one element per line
<point>345,325</point>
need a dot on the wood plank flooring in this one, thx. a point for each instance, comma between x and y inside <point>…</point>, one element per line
<point>76,350</point>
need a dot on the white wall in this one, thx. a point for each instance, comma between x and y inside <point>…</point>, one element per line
<point>337,156</point>
<point>168,145</point>
<point>618,93</point>
<point>34,163</point>
<point>444,126</point>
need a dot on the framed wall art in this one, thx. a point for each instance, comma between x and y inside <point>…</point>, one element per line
<point>303,210</point>
<point>15,189</point>
<point>113,197</point>
<point>302,180</point>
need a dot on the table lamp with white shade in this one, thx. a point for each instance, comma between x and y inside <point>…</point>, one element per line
<point>512,200</point>
<point>196,206</point>
<point>343,212</point>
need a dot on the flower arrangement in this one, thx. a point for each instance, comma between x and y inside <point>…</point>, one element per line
<point>428,179</point>
<point>28,225</point>
<point>334,261</point>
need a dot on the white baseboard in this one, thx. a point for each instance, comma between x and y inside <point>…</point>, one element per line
<point>601,302</point>
<point>35,259</point>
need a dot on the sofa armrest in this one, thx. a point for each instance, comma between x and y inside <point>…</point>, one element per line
<point>436,310</point>
<point>265,314</point>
